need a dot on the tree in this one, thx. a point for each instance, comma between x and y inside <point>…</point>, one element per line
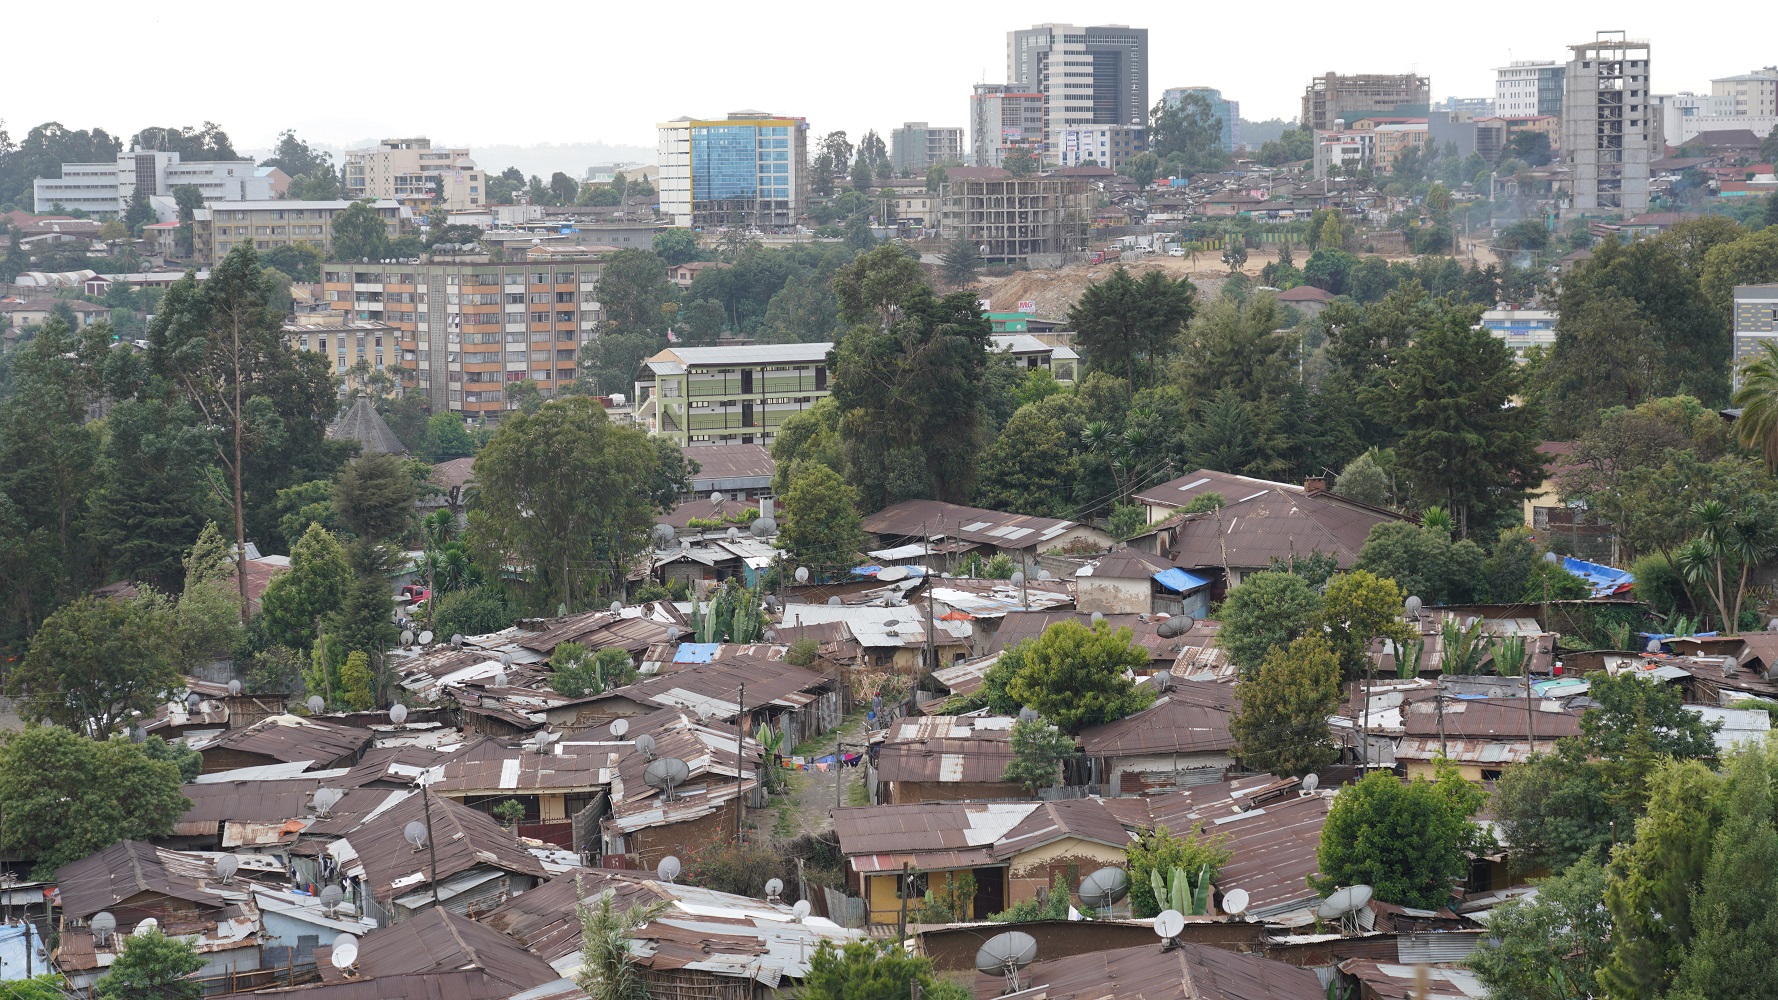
<point>374,497</point>
<point>869,970</point>
<point>357,690</point>
<point>1159,850</point>
<point>1074,675</point>
<point>1632,715</point>
<point>359,233</point>
<point>1127,521</point>
<point>1549,947</point>
<point>565,492</point>
<point>1359,607</point>
<point>861,175</point>
<point>49,986</point>
<point>575,672</point>
<point>1407,840</point>
<point>97,660</point>
<point>1425,562</point>
<point>1757,427</point>
<point>154,493</point>
<point>1734,926</point>
<point>1038,750</point>
<point>473,611</point>
<point>1234,253</point>
<point>365,624</point>
<point>701,323</point>
<point>675,246</point>
<point>633,291</point>
<point>1267,611</point>
<point>1555,809</point>
<point>1281,724</point>
<point>1141,168</point>
<point>189,198</point>
<point>446,439</point>
<point>66,796</point>
<point>1187,133</point>
<point>313,588</point>
<point>821,528</point>
<point>1364,481</point>
<point>1028,468</point>
<point>1021,162</point>
<point>152,966</point>
<point>138,213</point>
<point>936,178</point>
<point>205,144</point>
<point>1129,324</point>
<point>961,262</point>
<point>607,970</point>
<point>300,261</point>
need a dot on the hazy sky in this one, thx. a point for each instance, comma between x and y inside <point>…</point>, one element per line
<point>552,72</point>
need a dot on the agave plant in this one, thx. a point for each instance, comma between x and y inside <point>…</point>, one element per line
<point>1407,662</point>
<point>773,743</point>
<point>1463,647</point>
<point>1510,656</point>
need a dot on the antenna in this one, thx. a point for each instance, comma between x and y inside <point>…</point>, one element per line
<point>345,955</point>
<point>1167,925</point>
<point>666,774</point>
<point>645,746</point>
<point>668,869</point>
<point>1235,903</point>
<point>774,889</point>
<point>331,897</point>
<point>1006,954</point>
<point>1344,905</point>
<point>619,727</point>
<point>425,638</point>
<point>800,911</point>
<point>398,713</point>
<point>415,834</point>
<point>1103,888</point>
<point>316,705</point>
<point>1311,782</point>
<point>226,865</point>
<point>325,799</point>
<point>104,925</point>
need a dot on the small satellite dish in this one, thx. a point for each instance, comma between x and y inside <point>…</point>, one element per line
<point>138,734</point>
<point>407,637</point>
<point>226,865</point>
<point>617,607</point>
<point>1551,558</point>
<point>769,635</point>
<point>498,680</point>
<point>774,889</point>
<point>1162,680</point>
<point>1168,924</point>
<point>325,799</point>
<point>398,713</point>
<point>345,955</point>
<point>892,574</point>
<point>666,774</point>
<point>1028,714</point>
<point>645,746</point>
<point>1729,666</point>
<point>668,869</point>
<point>800,911</point>
<point>103,925</point>
<point>892,623</point>
<point>717,497</point>
<point>1235,902</point>
<point>234,688</point>
<point>619,727</point>
<point>1412,607</point>
<point>148,926</point>
<point>1043,576</point>
<point>342,938</point>
<point>802,576</point>
<point>332,897</point>
<point>1006,954</point>
<point>1018,579</point>
<point>1654,646</point>
<point>415,834</point>
<point>834,601</point>
<point>457,641</point>
<point>425,638</point>
<point>663,536</point>
<point>1344,902</point>
<point>540,742</point>
<point>672,633</point>
<point>316,705</point>
<point>1104,887</point>
<point>506,659</point>
<point>1772,626</point>
<point>192,701</point>
<point>1098,617</point>
<point>1311,782</point>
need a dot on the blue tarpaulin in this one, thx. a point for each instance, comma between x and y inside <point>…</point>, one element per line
<point>1603,579</point>
<point>696,652</point>
<point>871,570</point>
<point>1179,580</point>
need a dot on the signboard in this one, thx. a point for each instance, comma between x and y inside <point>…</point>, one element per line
<point>1028,305</point>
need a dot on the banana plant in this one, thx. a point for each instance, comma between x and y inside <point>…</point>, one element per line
<point>1175,891</point>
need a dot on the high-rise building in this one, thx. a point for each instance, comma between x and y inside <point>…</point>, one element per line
<point>1754,93</point>
<point>1087,76</point>
<point>410,171</point>
<point>917,145</point>
<point>1227,112</point>
<point>108,187</point>
<point>1335,97</point>
<point>1527,87</point>
<point>1610,129</point>
<point>746,171</point>
<point>1003,118</point>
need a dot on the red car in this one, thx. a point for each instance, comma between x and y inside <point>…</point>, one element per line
<point>415,593</point>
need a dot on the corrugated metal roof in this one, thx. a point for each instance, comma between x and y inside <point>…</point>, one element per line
<point>1191,718</point>
<point>931,519</point>
<point>1149,972</point>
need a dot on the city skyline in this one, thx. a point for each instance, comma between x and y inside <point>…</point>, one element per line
<point>334,107</point>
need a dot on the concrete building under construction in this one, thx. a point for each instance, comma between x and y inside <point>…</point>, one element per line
<point>1610,128</point>
<point>1036,220</point>
<point>1338,97</point>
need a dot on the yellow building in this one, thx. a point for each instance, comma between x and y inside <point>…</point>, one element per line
<point>415,174</point>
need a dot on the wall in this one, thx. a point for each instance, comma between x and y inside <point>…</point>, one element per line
<point>1035,869</point>
<point>648,846</point>
<point>1113,596</point>
<point>1160,771</point>
<point>900,792</point>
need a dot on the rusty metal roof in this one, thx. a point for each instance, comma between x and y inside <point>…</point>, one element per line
<point>470,985</point>
<point>1179,721</point>
<point>1078,819</point>
<point>926,826</point>
<point>1489,719</point>
<point>129,868</point>
<point>1182,491</point>
<point>1150,972</point>
<point>715,686</point>
<point>933,518</point>
<point>462,837</point>
<point>1397,980</point>
<point>1273,830</point>
<point>1250,533</point>
<point>292,738</point>
<point>944,760</point>
<point>490,769</point>
<point>436,941</point>
<point>248,801</point>
<point>596,630</point>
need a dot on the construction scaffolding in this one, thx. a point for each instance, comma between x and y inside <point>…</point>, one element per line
<point>1016,219</point>
<point>1608,125</point>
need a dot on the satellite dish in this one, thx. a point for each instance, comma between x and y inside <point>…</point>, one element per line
<point>138,734</point>
<point>892,574</point>
<point>345,955</point>
<point>398,713</point>
<point>668,869</point>
<point>1104,887</point>
<point>325,799</point>
<point>407,637</point>
<point>1772,626</point>
<point>617,607</point>
<point>1551,558</point>
<point>1028,714</point>
<point>1728,666</point>
<point>1412,607</point>
<point>663,536</point>
<point>1162,680</point>
<point>342,938</point>
<point>1098,617</point>
<point>148,926</point>
<point>834,601</point>
<point>892,623</point>
<point>192,701</point>
<point>1173,627</point>
<point>1168,924</point>
<point>672,633</point>
<point>1235,902</point>
<point>774,889</point>
<point>666,774</point>
<point>717,497</point>
<point>1344,902</point>
<point>332,897</point>
<point>802,576</point>
<point>226,866</point>
<point>103,925</point>
<point>415,834</point>
<point>1654,645</point>
<point>1043,576</point>
<point>234,688</point>
<point>316,705</point>
<point>1018,579</point>
<point>506,659</point>
<point>457,641</point>
<point>540,742</point>
<point>734,533</point>
<point>425,638</point>
<point>499,679</point>
<point>763,527</point>
<point>800,911</point>
<point>619,727</point>
<point>1006,954</point>
<point>1311,782</point>
<point>645,746</point>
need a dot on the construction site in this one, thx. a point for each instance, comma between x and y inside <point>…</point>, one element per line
<point>1037,221</point>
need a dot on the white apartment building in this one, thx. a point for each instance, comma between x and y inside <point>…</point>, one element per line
<point>108,187</point>
<point>1106,145</point>
<point>1754,93</point>
<point>412,172</point>
<point>1087,75</point>
<point>1527,87</point>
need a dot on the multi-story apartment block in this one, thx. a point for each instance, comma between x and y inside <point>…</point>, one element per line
<point>1227,112</point>
<point>1756,322</point>
<point>1003,118</point>
<point>1521,329</point>
<point>1106,145</point>
<point>917,145</point>
<point>1347,149</point>
<point>1527,87</point>
<point>1492,134</point>
<point>728,395</point>
<point>271,224</point>
<point>1465,109</point>
<point>1016,219</point>
<point>744,171</point>
<point>1088,76</point>
<point>413,173</point>
<point>1610,130</point>
<point>1754,93</point>
<point>345,343</point>
<point>466,326</point>
<point>108,187</point>
<point>1335,97</point>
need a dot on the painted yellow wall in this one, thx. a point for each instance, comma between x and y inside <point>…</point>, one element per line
<point>1033,869</point>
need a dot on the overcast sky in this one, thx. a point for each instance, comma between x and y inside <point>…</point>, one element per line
<point>552,72</point>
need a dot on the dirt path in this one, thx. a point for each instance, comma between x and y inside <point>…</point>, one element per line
<point>808,808</point>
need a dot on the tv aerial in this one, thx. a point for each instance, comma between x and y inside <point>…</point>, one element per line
<point>226,865</point>
<point>774,889</point>
<point>1167,926</point>
<point>619,727</point>
<point>666,774</point>
<point>104,925</point>
<point>1103,888</point>
<point>1006,954</point>
<point>668,869</point>
<point>331,898</point>
<point>1235,902</point>
<point>645,746</point>
<point>1344,906</point>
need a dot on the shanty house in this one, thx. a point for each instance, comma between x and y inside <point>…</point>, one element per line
<point>945,758</point>
<point>1018,536</point>
<point>286,739</point>
<point>1133,582</point>
<point>1181,739</point>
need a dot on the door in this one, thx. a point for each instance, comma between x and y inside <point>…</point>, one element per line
<point>747,413</point>
<point>746,381</point>
<point>990,891</point>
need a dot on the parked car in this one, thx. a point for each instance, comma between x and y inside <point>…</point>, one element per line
<point>1176,252</point>
<point>415,593</point>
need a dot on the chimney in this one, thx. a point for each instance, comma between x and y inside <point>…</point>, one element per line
<point>1314,485</point>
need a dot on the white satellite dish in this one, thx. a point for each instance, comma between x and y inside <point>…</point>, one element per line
<point>234,688</point>
<point>331,898</point>
<point>619,727</point>
<point>1168,924</point>
<point>506,659</point>
<point>457,640</point>
<point>104,925</point>
<point>498,680</point>
<point>398,713</point>
<point>802,576</point>
<point>645,746</point>
<point>425,638</point>
<point>148,926</point>
<point>415,834</point>
<point>316,705</point>
<point>226,866</point>
<point>343,937</point>
<point>407,637</point>
<point>345,955</point>
<point>800,911</point>
<point>1311,782</point>
<point>1235,902</point>
<point>325,799</point>
<point>540,742</point>
<point>617,607</point>
<point>668,869</point>
<point>774,889</point>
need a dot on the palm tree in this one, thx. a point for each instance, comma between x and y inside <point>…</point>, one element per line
<point>1758,400</point>
<point>607,972</point>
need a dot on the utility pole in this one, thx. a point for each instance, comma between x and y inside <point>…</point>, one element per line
<point>431,841</point>
<point>1439,699</point>
<point>740,760</point>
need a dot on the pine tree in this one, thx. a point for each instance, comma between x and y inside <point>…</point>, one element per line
<point>961,262</point>
<point>1028,468</point>
<point>357,687</point>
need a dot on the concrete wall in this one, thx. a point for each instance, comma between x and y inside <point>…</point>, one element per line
<point>1111,596</point>
<point>1036,868</point>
